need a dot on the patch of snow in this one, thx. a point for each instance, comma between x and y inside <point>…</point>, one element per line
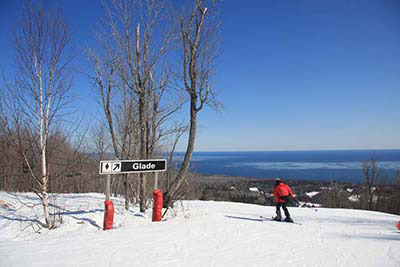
<point>312,194</point>
<point>350,190</point>
<point>254,189</point>
<point>354,198</point>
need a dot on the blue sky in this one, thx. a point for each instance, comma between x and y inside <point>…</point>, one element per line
<point>292,75</point>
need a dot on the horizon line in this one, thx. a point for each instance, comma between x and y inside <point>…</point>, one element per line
<point>296,150</point>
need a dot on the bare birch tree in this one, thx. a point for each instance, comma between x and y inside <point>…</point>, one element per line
<point>41,85</point>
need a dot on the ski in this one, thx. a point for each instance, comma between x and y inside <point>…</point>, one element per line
<point>272,219</point>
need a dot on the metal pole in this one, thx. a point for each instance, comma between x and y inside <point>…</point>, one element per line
<point>108,186</point>
<point>155,180</point>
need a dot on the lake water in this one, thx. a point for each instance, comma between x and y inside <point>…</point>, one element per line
<point>340,165</point>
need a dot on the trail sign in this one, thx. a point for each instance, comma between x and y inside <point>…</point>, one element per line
<point>132,166</point>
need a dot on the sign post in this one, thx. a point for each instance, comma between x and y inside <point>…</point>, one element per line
<point>155,180</point>
<point>109,167</point>
<point>108,186</point>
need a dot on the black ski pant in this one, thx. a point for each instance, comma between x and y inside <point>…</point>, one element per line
<point>283,205</point>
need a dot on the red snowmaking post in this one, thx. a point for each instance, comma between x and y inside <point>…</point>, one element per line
<point>157,205</point>
<point>108,215</point>
<point>398,225</point>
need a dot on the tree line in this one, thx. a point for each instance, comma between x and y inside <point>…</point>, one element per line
<point>151,60</point>
<point>376,192</point>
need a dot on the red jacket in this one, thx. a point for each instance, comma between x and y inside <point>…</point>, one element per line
<point>282,190</point>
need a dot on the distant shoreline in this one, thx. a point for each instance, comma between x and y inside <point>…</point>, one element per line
<point>229,178</point>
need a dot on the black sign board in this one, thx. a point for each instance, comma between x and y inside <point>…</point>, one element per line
<point>132,166</point>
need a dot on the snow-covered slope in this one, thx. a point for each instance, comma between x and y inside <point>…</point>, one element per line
<point>201,234</point>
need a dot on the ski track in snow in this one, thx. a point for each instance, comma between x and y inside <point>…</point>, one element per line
<point>200,233</point>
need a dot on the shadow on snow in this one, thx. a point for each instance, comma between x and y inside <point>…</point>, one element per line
<point>245,218</point>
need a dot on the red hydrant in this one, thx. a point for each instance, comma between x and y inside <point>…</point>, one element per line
<point>108,215</point>
<point>157,205</point>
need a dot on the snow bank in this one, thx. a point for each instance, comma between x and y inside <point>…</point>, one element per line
<point>200,234</point>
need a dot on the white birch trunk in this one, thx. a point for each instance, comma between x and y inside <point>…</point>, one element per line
<point>43,131</point>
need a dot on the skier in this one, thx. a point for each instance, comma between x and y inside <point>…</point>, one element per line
<point>282,195</point>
